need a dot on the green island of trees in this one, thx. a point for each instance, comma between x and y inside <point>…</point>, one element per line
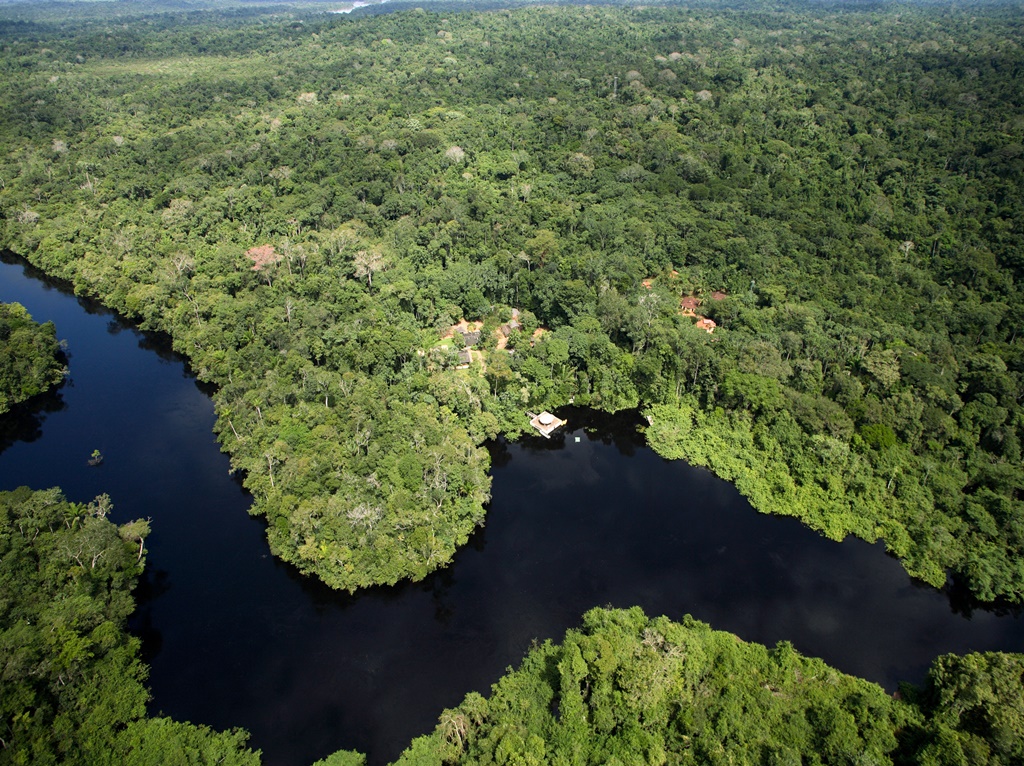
<point>30,356</point>
<point>310,205</point>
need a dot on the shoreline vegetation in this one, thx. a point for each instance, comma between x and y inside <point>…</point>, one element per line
<point>32,361</point>
<point>625,688</point>
<point>73,684</point>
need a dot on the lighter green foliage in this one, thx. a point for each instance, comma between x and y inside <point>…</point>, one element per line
<point>627,689</point>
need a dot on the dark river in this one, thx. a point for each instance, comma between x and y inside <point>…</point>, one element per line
<point>593,518</point>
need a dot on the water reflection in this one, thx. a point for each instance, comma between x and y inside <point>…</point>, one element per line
<point>24,422</point>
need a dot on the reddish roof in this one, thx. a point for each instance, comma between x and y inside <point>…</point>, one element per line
<point>719,295</point>
<point>690,302</point>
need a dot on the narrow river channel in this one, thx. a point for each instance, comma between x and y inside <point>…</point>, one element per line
<point>591,518</point>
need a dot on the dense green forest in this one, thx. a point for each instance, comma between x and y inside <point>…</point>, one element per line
<point>848,180</point>
<point>625,689</point>
<point>71,682</point>
<point>309,203</point>
<point>31,360</point>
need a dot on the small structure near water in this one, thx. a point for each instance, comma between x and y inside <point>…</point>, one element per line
<point>546,423</point>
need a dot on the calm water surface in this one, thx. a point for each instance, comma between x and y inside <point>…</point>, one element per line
<point>593,518</point>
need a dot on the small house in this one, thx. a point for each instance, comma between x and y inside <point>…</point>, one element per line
<point>546,423</point>
<point>708,325</point>
<point>508,328</point>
